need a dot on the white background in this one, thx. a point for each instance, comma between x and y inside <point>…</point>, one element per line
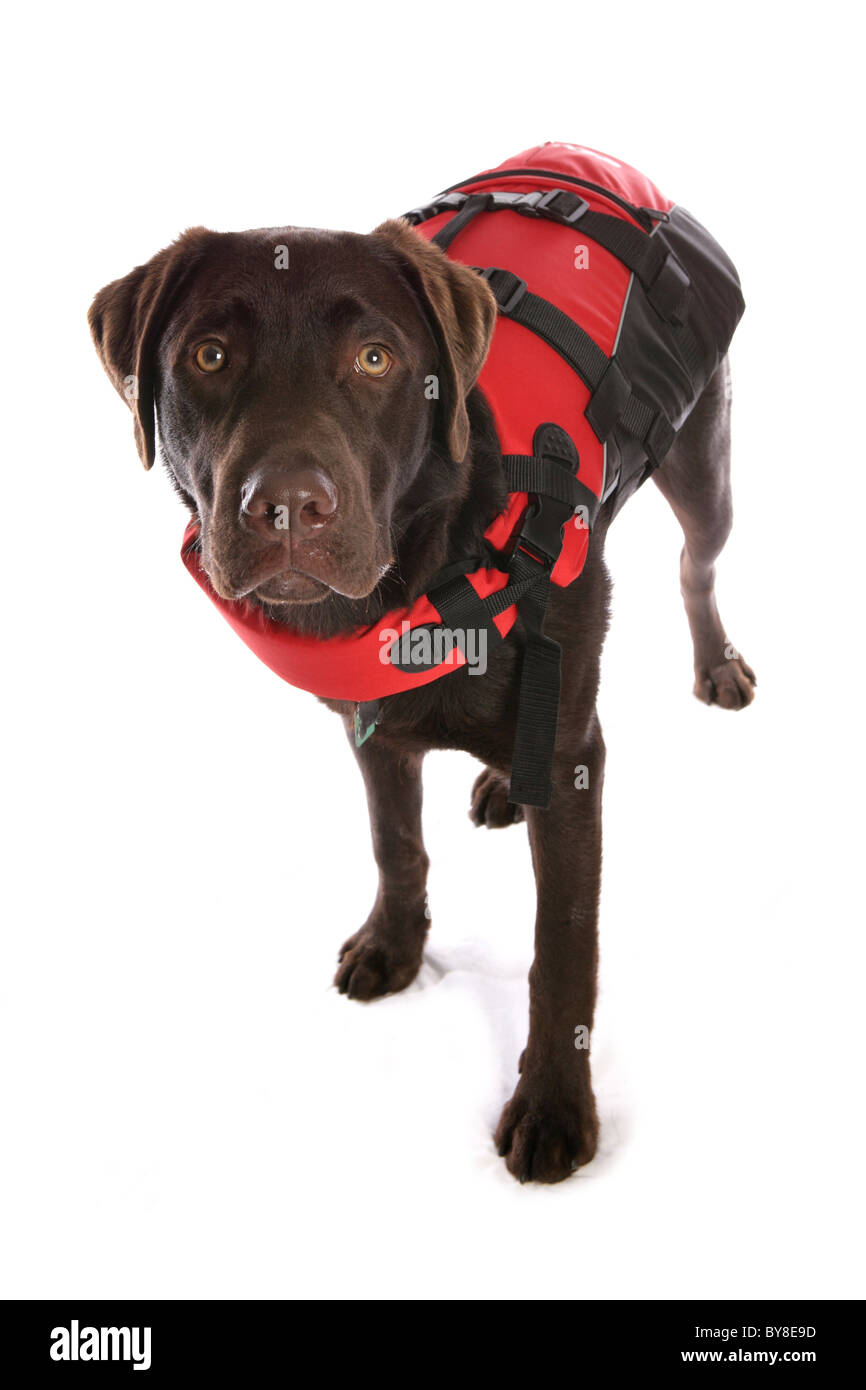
<point>188,1108</point>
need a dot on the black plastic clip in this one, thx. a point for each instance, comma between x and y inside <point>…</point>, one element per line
<point>547,206</point>
<point>542,530</point>
<point>508,288</point>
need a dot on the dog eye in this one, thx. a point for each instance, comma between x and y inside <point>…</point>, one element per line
<point>373,360</point>
<point>210,357</point>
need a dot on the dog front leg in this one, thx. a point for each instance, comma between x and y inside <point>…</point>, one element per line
<point>550,1127</point>
<point>385,955</point>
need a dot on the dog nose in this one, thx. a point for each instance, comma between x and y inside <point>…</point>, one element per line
<point>280,503</point>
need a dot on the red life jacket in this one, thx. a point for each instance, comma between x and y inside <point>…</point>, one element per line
<point>615,309</point>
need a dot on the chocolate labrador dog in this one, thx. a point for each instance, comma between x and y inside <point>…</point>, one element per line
<point>305,392</point>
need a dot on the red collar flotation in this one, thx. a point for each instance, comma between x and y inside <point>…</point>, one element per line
<point>353,667</point>
<point>615,309</point>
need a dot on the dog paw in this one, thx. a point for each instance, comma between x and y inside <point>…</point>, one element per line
<point>490,805</point>
<point>730,684</point>
<point>368,970</point>
<point>544,1139</point>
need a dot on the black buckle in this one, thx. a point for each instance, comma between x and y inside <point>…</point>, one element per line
<point>609,400</point>
<point>524,203</point>
<point>541,532</point>
<point>546,206</point>
<point>536,204</point>
<point>659,439</point>
<point>511,202</point>
<point>668,291</point>
<point>508,290</point>
<point>449,202</point>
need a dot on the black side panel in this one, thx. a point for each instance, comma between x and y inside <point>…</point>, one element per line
<point>669,365</point>
<point>714,281</point>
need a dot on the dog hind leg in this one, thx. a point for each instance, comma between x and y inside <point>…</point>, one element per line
<point>695,479</point>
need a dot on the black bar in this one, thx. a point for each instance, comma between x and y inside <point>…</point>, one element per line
<point>244,1340</point>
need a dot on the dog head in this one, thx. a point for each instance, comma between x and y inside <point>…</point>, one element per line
<point>310,389</point>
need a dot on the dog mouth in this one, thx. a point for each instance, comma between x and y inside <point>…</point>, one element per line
<point>297,575</point>
<point>288,586</point>
<point>292,587</point>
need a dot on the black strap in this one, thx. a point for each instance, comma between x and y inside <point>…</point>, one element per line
<point>547,321</point>
<point>663,278</point>
<point>523,574</point>
<point>476,203</point>
<point>451,197</point>
<point>459,606</point>
<point>460,609</point>
<point>538,701</point>
<point>468,565</point>
<point>549,477</point>
<point>613,400</point>
<point>529,473</point>
<point>538,708</point>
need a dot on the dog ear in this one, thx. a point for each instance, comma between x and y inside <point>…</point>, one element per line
<point>126,319</point>
<point>462,314</point>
